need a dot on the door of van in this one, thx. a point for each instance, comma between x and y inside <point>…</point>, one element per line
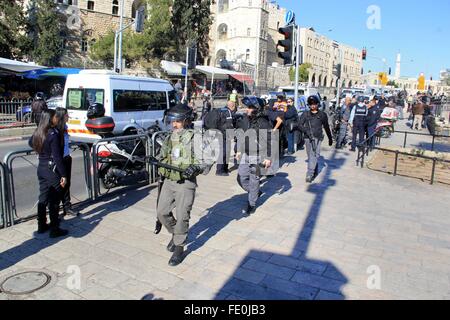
<point>77,103</point>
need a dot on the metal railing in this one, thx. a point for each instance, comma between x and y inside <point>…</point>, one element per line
<point>9,183</point>
<point>12,111</point>
<point>3,211</point>
<point>406,133</point>
<point>364,149</point>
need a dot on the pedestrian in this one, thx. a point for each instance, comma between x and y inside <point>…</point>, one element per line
<point>63,116</point>
<point>373,116</point>
<point>418,111</point>
<point>37,107</point>
<point>358,121</point>
<point>254,133</point>
<point>312,123</point>
<point>226,126</point>
<point>178,189</point>
<point>48,142</point>
<point>345,112</point>
<point>291,125</point>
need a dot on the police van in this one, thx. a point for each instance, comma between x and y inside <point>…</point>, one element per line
<point>133,102</point>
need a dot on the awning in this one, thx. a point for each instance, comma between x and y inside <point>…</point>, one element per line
<point>173,68</point>
<point>219,74</point>
<point>242,77</point>
<point>51,72</point>
<point>18,66</point>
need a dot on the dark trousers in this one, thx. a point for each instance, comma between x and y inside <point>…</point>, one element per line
<point>358,130</point>
<point>291,141</point>
<point>50,194</point>
<point>66,191</point>
<point>371,132</point>
<point>224,154</point>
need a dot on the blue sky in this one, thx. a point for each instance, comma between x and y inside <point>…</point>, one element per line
<point>419,30</point>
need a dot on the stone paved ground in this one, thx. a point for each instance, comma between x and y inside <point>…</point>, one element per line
<point>328,240</point>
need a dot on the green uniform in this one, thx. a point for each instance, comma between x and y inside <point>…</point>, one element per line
<point>176,192</point>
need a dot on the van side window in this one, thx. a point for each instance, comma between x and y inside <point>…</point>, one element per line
<point>133,100</point>
<point>82,99</point>
<point>173,98</point>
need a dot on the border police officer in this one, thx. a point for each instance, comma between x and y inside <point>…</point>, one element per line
<point>358,119</point>
<point>178,190</point>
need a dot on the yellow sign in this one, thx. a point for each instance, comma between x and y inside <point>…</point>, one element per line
<point>421,86</point>
<point>75,122</point>
<point>383,78</point>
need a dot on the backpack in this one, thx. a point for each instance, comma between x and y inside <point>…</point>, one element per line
<point>212,119</point>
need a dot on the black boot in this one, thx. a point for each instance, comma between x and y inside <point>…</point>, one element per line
<point>43,227</point>
<point>158,227</point>
<point>171,246</point>
<point>70,211</point>
<point>55,230</point>
<point>177,256</point>
<point>58,232</point>
<point>249,210</point>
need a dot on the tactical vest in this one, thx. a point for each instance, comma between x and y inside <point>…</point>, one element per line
<point>177,151</point>
<point>360,114</point>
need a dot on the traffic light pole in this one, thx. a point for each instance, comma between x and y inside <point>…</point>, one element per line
<point>186,77</point>
<point>297,65</point>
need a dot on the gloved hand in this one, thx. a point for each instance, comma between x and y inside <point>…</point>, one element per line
<point>330,142</point>
<point>191,172</point>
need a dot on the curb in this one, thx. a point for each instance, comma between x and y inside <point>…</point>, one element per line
<point>12,139</point>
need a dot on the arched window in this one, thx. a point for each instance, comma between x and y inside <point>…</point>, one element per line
<point>115,7</point>
<point>223,31</point>
<point>223,6</point>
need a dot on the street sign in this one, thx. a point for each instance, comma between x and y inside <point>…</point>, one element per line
<point>289,18</point>
<point>183,71</point>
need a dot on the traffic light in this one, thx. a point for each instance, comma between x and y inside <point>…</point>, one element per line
<point>288,44</point>
<point>192,59</point>
<point>337,70</point>
<point>364,54</point>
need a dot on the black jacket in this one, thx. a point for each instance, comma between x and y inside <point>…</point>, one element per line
<point>313,124</point>
<point>226,119</point>
<point>52,150</point>
<point>254,136</point>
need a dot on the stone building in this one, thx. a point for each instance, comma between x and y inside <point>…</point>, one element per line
<point>244,36</point>
<point>324,55</point>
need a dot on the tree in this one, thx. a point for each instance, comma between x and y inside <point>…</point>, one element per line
<point>48,49</point>
<point>393,84</point>
<point>158,36</point>
<point>191,22</point>
<point>303,72</point>
<point>13,40</point>
<point>103,49</point>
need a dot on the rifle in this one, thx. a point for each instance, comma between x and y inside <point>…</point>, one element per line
<point>153,161</point>
<point>311,137</point>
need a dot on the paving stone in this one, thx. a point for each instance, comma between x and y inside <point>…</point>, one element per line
<point>319,282</point>
<point>269,268</point>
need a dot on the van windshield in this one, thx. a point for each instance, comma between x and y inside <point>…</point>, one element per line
<point>82,99</point>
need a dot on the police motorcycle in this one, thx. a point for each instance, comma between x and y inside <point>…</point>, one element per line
<point>117,161</point>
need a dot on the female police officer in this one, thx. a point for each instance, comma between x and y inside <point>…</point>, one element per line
<point>178,190</point>
<point>48,142</point>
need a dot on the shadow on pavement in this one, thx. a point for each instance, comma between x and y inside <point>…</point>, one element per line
<point>224,212</point>
<point>78,227</point>
<point>294,276</point>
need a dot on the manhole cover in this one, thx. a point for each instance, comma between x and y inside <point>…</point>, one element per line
<point>25,282</point>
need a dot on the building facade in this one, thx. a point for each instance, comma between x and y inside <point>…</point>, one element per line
<point>244,35</point>
<point>324,55</point>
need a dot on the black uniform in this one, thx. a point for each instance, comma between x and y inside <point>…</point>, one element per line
<point>37,107</point>
<point>254,143</point>
<point>359,124</point>
<point>50,171</point>
<point>373,116</point>
<point>226,127</point>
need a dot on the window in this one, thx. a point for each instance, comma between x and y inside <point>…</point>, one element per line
<point>115,7</point>
<point>90,5</point>
<point>249,32</point>
<point>173,99</point>
<point>133,100</point>
<point>84,45</point>
<point>247,55</point>
<point>81,99</point>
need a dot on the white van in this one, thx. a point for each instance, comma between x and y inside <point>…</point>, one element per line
<point>132,102</point>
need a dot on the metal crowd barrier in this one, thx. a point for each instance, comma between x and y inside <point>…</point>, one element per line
<point>121,139</point>
<point>8,186</point>
<point>3,212</point>
<point>11,111</point>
